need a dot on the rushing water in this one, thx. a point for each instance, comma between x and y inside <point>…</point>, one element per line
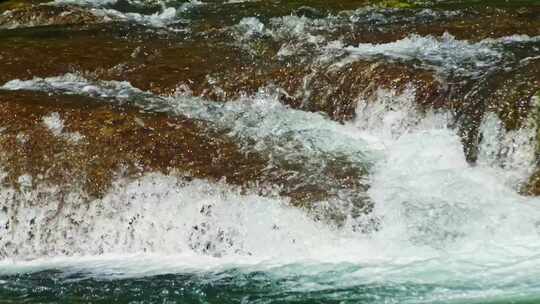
<point>441,230</point>
<point>448,233</point>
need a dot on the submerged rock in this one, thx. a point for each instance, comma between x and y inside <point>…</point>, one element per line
<point>79,144</point>
<point>322,57</point>
<point>6,5</point>
<point>533,185</point>
<point>73,141</point>
<point>508,93</point>
<point>43,15</point>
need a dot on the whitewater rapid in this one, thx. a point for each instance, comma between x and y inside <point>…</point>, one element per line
<point>441,229</point>
<point>441,220</point>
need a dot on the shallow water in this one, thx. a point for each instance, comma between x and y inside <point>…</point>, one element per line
<point>448,232</point>
<point>438,230</point>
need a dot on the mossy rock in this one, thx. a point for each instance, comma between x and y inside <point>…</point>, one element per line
<point>9,5</point>
<point>396,4</point>
<point>15,4</point>
<point>460,4</point>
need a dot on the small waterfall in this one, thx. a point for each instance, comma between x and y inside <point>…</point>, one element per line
<point>269,151</point>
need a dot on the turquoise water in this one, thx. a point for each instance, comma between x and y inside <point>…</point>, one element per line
<point>331,284</point>
<point>234,286</point>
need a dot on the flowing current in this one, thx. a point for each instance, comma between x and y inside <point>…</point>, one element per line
<point>441,230</point>
<point>448,232</point>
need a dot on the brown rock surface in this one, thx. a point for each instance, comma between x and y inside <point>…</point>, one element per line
<point>43,15</point>
<point>100,142</point>
<point>112,139</point>
<point>211,62</point>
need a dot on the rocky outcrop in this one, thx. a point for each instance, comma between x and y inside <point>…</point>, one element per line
<point>210,69</point>
<point>508,93</point>
<point>214,58</point>
<point>42,15</point>
<point>83,146</point>
<point>533,185</point>
<point>75,141</point>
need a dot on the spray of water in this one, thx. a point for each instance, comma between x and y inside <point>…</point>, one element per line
<point>441,220</point>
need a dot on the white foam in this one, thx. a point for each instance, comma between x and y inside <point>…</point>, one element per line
<point>251,27</point>
<point>55,124</point>
<point>445,54</point>
<point>289,133</point>
<point>92,3</point>
<point>441,220</point>
<point>517,38</point>
<point>157,214</point>
<point>72,83</point>
<point>25,181</point>
<point>165,18</point>
<point>377,16</point>
<point>389,115</point>
<point>168,16</point>
<point>292,31</point>
<point>297,32</point>
<point>431,202</point>
<point>512,150</point>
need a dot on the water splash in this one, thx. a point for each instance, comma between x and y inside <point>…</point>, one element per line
<point>449,231</point>
<point>165,16</point>
<point>153,214</point>
<point>512,150</point>
<point>446,54</point>
<point>260,118</point>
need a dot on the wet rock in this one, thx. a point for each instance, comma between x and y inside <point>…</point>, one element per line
<point>533,185</point>
<point>512,94</point>
<point>53,51</point>
<point>336,91</point>
<point>465,24</point>
<point>217,62</point>
<point>43,15</point>
<point>79,144</point>
<point>16,4</point>
<point>88,143</point>
<point>211,68</point>
<point>508,93</point>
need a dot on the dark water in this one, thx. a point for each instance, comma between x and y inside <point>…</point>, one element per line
<point>232,286</point>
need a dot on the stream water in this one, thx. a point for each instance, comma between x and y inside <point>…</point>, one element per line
<point>441,229</point>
